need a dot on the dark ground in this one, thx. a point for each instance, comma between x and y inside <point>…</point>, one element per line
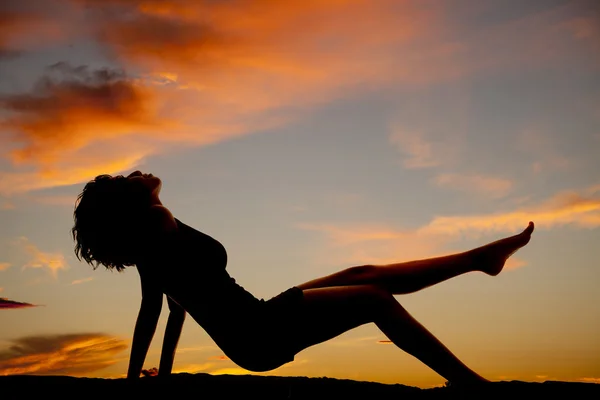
<point>204,386</point>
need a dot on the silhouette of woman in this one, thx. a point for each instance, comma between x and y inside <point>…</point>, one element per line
<point>120,221</point>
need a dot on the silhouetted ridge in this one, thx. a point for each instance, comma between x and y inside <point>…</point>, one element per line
<point>204,386</point>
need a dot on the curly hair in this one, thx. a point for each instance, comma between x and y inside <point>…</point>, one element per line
<point>108,219</point>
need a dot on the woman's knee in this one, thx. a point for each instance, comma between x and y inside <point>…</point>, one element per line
<point>328,312</point>
<point>377,297</point>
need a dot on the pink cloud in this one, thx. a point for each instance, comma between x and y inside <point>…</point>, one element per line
<point>11,304</point>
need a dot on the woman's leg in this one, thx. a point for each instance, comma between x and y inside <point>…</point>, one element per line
<point>329,312</point>
<point>412,276</point>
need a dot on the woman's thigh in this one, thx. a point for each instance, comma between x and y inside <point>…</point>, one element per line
<point>290,325</point>
<point>330,311</point>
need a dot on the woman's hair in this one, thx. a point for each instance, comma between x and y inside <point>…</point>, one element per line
<point>109,220</point>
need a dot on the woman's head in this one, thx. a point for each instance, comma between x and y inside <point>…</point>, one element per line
<point>109,218</point>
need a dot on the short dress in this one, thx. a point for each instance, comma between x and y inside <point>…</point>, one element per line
<point>256,334</point>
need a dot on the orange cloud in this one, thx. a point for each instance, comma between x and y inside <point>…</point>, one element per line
<point>77,123</point>
<point>71,354</point>
<point>483,185</point>
<point>567,208</point>
<point>361,244</point>
<point>77,107</point>
<point>54,262</point>
<point>10,304</point>
<point>372,244</point>
<point>70,172</point>
<point>4,266</point>
<point>243,65</point>
<point>296,38</point>
<point>590,380</point>
<point>79,281</point>
<point>381,244</point>
<point>387,39</point>
<point>222,69</point>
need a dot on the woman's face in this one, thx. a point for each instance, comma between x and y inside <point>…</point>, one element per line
<point>150,182</point>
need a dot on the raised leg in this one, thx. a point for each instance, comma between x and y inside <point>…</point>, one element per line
<point>329,312</point>
<point>408,277</point>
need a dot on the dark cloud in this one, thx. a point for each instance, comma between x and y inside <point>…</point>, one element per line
<point>9,304</point>
<point>70,354</point>
<point>70,107</point>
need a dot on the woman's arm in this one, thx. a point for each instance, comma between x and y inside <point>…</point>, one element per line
<point>172,334</point>
<point>145,327</point>
<point>164,223</point>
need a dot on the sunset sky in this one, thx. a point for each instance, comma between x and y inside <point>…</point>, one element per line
<point>309,136</point>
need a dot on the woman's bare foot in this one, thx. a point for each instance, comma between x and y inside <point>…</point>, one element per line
<point>492,257</point>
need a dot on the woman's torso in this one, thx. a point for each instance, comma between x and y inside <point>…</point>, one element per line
<point>192,272</point>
